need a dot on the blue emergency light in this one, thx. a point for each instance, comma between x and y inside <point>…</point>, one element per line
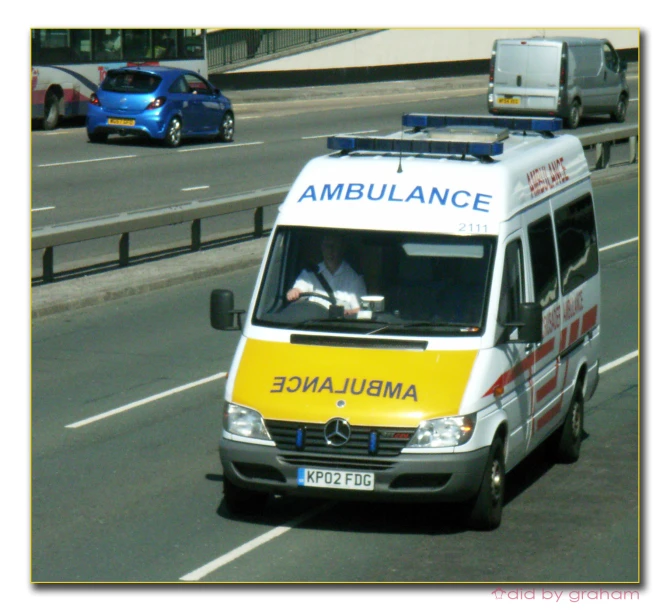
<point>413,147</point>
<point>535,124</point>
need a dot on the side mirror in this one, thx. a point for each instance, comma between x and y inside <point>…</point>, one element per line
<point>222,311</point>
<point>529,323</point>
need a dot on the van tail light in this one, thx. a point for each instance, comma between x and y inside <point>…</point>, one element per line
<point>564,66</point>
<point>94,100</point>
<point>157,103</point>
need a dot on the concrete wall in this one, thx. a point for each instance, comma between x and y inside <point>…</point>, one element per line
<point>418,46</point>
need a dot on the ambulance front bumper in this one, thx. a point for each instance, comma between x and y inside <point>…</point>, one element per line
<point>405,477</point>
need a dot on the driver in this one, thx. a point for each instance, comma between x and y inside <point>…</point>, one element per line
<point>347,286</point>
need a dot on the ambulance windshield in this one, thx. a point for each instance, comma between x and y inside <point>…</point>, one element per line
<point>376,282</point>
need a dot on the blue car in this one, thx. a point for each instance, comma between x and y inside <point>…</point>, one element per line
<point>163,103</point>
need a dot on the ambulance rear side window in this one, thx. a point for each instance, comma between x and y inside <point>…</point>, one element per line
<point>577,243</point>
<point>543,261</point>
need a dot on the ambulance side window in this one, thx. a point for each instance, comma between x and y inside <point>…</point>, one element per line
<point>543,261</point>
<point>577,243</point>
<point>512,291</point>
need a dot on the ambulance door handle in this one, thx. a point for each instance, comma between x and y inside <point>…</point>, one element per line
<point>518,80</point>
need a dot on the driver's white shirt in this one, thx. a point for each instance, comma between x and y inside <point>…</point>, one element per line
<point>347,285</point>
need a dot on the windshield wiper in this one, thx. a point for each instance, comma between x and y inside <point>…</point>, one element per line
<point>426,324</point>
<point>338,322</point>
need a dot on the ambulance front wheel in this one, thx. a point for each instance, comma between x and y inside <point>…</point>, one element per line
<point>485,511</point>
<point>240,501</point>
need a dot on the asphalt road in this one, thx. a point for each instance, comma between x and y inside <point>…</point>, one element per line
<point>135,495</point>
<point>277,132</point>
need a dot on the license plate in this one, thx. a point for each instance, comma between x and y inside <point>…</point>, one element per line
<point>509,101</point>
<point>345,480</point>
<point>129,122</point>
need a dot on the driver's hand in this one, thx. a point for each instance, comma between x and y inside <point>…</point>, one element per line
<point>293,294</point>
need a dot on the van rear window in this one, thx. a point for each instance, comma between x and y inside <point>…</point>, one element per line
<point>127,81</point>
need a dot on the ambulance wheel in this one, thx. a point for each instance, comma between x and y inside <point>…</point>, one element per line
<point>574,116</point>
<point>568,438</point>
<point>485,511</point>
<point>240,501</point>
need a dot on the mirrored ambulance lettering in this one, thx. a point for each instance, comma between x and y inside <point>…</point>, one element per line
<point>354,386</point>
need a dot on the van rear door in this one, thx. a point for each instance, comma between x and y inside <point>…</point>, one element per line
<point>527,75</point>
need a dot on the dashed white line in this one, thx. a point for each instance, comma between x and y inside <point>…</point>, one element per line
<point>220,146</point>
<point>619,361</point>
<point>622,243</point>
<point>195,188</point>
<point>51,165</point>
<point>367,131</point>
<point>44,208</point>
<point>162,395</point>
<point>252,545</point>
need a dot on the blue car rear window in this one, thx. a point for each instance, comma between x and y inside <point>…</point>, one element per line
<point>126,81</point>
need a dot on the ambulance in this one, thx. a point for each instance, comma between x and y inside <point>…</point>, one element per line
<point>477,340</point>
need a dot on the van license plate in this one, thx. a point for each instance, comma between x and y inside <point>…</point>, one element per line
<point>345,480</point>
<point>113,121</point>
<point>509,101</point>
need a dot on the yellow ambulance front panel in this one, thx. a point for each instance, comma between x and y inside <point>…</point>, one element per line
<point>367,387</point>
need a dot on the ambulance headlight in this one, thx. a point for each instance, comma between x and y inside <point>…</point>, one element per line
<point>443,432</point>
<point>245,422</point>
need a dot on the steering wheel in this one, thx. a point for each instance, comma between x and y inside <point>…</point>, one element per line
<point>328,298</point>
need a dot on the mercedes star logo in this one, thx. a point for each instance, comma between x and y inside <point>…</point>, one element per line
<point>337,432</point>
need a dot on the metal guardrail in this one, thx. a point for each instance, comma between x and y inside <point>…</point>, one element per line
<point>124,224</point>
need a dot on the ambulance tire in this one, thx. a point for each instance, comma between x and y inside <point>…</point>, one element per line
<point>240,501</point>
<point>485,511</point>
<point>567,440</point>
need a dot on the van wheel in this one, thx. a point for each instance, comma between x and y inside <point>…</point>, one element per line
<point>50,111</point>
<point>619,115</point>
<point>567,440</point>
<point>575,115</point>
<point>485,512</point>
<point>240,501</point>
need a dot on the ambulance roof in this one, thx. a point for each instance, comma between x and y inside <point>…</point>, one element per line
<point>415,180</point>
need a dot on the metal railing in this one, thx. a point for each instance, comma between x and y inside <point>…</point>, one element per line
<point>227,47</point>
<point>124,224</point>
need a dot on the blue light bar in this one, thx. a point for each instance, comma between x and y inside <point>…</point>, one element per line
<point>535,124</point>
<point>300,438</point>
<point>413,147</point>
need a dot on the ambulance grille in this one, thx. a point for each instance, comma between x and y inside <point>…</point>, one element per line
<point>364,440</point>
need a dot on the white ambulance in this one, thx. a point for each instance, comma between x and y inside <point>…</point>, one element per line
<point>476,338</point>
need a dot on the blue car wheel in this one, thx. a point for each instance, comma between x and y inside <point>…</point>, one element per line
<point>173,134</point>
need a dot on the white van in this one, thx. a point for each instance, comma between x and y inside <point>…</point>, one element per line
<point>564,77</point>
<point>477,337</point>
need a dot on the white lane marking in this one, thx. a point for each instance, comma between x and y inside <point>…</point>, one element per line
<point>253,544</point>
<point>367,131</point>
<point>51,165</point>
<point>41,209</point>
<point>220,146</point>
<point>604,248</point>
<point>162,395</point>
<point>620,361</point>
<point>195,188</point>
